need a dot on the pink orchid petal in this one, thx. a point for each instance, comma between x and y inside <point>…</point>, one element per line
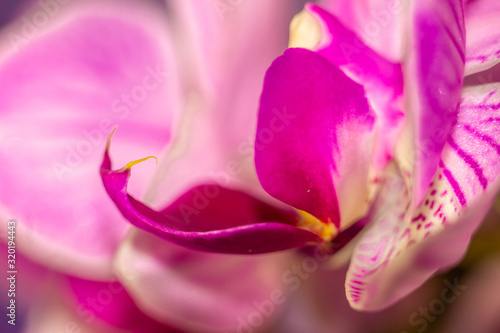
<point>433,79</point>
<point>397,254</point>
<point>62,93</point>
<point>200,292</point>
<point>314,137</point>
<point>483,35</point>
<point>379,23</point>
<point>210,218</point>
<point>225,56</point>
<point>381,79</point>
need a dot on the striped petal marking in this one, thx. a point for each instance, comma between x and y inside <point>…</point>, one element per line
<point>401,250</point>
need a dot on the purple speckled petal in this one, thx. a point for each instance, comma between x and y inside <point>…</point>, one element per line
<point>381,79</point>
<point>433,76</point>
<point>210,218</point>
<point>483,35</point>
<point>398,253</point>
<point>314,138</point>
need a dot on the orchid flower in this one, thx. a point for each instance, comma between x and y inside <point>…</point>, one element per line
<point>350,138</point>
<point>351,131</point>
<point>178,86</point>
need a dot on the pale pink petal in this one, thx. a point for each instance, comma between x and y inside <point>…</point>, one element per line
<point>233,44</point>
<point>400,251</point>
<point>197,291</point>
<point>483,35</point>
<point>62,92</point>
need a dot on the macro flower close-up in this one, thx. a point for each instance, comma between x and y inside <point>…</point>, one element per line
<point>248,166</point>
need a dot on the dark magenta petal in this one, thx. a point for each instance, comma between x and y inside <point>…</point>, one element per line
<point>433,75</point>
<point>210,218</point>
<point>314,137</point>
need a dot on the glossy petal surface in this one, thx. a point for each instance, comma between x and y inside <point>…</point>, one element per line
<point>315,129</point>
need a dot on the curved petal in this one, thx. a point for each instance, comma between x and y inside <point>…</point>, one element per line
<point>398,253</point>
<point>381,79</point>
<point>379,23</point>
<point>196,291</point>
<point>210,218</point>
<point>314,138</point>
<point>433,76</point>
<point>483,35</point>
<point>100,64</point>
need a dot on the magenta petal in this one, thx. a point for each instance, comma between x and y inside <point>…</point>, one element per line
<point>196,220</point>
<point>433,75</point>
<point>483,35</point>
<point>314,137</point>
